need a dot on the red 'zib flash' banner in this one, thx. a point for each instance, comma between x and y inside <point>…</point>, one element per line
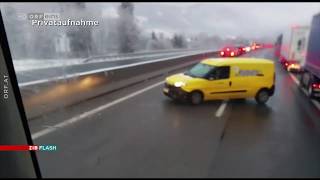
<point>18,148</point>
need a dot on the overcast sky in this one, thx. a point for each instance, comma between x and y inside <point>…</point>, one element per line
<point>245,19</point>
<point>251,20</point>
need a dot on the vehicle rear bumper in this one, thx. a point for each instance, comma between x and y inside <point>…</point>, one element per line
<point>295,70</point>
<point>316,92</point>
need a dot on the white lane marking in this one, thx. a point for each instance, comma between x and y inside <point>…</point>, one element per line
<point>304,91</point>
<point>294,79</point>
<point>221,108</point>
<point>91,112</point>
<point>314,102</point>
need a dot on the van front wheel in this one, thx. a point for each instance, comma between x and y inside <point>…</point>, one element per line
<point>262,96</point>
<point>196,97</point>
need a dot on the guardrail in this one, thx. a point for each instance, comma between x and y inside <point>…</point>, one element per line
<point>51,95</point>
<point>141,54</point>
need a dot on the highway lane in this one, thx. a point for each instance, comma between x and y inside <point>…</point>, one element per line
<point>279,140</point>
<point>149,129</point>
<point>148,135</point>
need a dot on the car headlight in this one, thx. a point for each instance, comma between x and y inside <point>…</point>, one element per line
<point>179,84</point>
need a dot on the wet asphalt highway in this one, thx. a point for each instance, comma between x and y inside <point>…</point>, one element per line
<point>148,135</point>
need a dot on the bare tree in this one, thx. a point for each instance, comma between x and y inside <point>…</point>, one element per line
<point>154,36</point>
<point>127,28</point>
<point>178,41</point>
<point>80,37</point>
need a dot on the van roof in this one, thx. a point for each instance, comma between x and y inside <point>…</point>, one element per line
<point>233,61</point>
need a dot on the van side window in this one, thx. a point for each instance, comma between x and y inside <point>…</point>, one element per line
<point>222,72</point>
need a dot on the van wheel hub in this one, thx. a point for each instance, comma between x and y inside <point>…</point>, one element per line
<point>262,97</point>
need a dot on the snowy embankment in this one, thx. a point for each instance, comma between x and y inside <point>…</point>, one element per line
<point>33,64</point>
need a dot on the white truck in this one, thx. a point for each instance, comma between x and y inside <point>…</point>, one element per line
<point>294,47</point>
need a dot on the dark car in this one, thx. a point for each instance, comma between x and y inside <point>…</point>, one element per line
<point>242,49</point>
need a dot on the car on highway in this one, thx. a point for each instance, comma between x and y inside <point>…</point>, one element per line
<point>292,66</point>
<point>229,51</point>
<point>258,46</point>
<point>242,49</point>
<point>255,46</point>
<point>217,78</point>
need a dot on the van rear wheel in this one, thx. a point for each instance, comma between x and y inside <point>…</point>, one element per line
<point>262,96</point>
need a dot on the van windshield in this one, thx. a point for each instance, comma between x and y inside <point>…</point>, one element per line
<point>200,70</point>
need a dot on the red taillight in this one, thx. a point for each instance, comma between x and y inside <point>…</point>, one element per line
<point>221,53</point>
<point>316,86</point>
<point>286,64</point>
<point>232,53</point>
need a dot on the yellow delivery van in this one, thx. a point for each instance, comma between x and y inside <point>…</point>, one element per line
<point>224,78</point>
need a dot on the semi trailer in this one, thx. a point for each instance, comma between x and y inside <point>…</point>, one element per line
<point>294,47</point>
<point>310,78</point>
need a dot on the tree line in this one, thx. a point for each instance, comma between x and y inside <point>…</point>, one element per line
<point>120,34</point>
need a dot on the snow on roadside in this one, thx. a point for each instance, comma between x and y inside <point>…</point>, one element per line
<point>31,64</point>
